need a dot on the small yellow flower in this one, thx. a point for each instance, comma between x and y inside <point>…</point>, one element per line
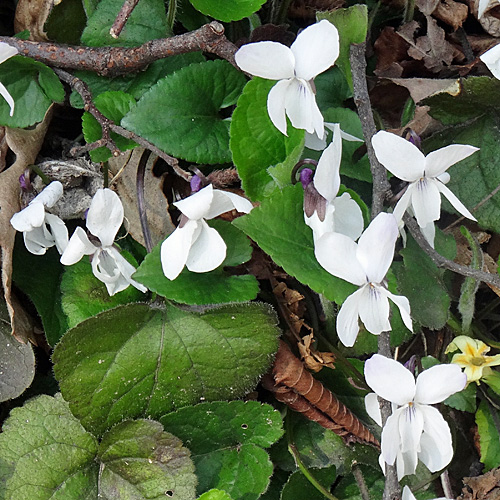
<point>473,357</point>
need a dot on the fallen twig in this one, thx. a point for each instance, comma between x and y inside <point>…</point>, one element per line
<point>113,61</point>
<point>122,17</point>
<point>108,126</point>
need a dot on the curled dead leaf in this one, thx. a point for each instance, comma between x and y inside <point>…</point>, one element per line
<point>124,171</point>
<point>25,144</point>
<point>31,15</point>
<point>313,359</point>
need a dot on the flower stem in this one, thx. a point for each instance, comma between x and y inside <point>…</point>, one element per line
<point>298,461</point>
<point>171,13</point>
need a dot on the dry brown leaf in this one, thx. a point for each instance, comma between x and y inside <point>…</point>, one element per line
<point>452,13</point>
<point>160,223</point>
<point>31,15</point>
<point>485,487</point>
<point>391,49</point>
<point>313,359</point>
<point>306,9</point>
<point>25,144</point>
<point>427,7</point>
<point>3,149</point>
<point>420,88</point>
<point>432,49</point>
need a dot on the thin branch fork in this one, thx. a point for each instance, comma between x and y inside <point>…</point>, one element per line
<point>114,61</point>
<point>440,261</point>
<point>108,126</point>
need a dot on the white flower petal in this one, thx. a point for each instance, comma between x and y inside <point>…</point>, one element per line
<point>399,156</point>
<point>29,218</point>
<point>225,201</point>
<point>105,269</point>
<point>315,49</point>
<point>456,203</point>
<point>438,382</point>
<point>390,438</point>
<point>59,231</point>
<point>374,309</point>
<point>299,105</point>
<point>321,227</point>
<point>406,463</point>
<point>380,375</point>
<point>492,57</point>
<point>348,218</point>
<point>436,448</point>
<point>78,246</point>
<point>337,254</point>
<point>327,175</point>
<point>407,494</point>
<point>314,142</point>
<point>207,252</point>
<point>348,320</point>
<point>270,60</point>
<point>105,216</point>
<point>403,204</point>
<point>411,425</point>
<point>126,269</point>
<point>38,240</point>
<point>373,407</point>
<point>6,51</point>
<point>426,201</point>
<point>50,194</point>
<point>403,305</point>
<point>437,162</point>
<point>429,233</point>
<point>197,205</point>
<point>6,95</point>
<point>175,249</point>
<point>276,104</point>
<point>376,246</point>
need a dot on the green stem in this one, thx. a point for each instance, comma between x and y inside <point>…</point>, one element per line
<point>171,13</point>
<point>409,11</point>
<point>307,474</point>
<point>35,168</point>
<point>341,359</point>
<point>283,11</point>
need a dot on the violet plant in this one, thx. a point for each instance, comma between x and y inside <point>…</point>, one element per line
<point>157,381</point>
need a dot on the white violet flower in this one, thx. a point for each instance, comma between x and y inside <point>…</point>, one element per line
<point>408,495</point>
<point>40,229</point>
<point>492,60</point>
<point>314,51</point>
<point>364,264</point>
<point>104,218</point>
<point>416,430</point>
<point>324,212</point>
<point>194,243</point>
<point>314,142</point>
<point>426,174</point>
<point>6,52</point>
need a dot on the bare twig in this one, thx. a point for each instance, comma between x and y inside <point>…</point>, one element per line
<point>122,17</point>
<point>381,185</point>
<point>360,481</point>
<point>108,126</point>
<point>445,483</point>
<point>381,188</point>
<point>440,261</point>
<point>113,61</point>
